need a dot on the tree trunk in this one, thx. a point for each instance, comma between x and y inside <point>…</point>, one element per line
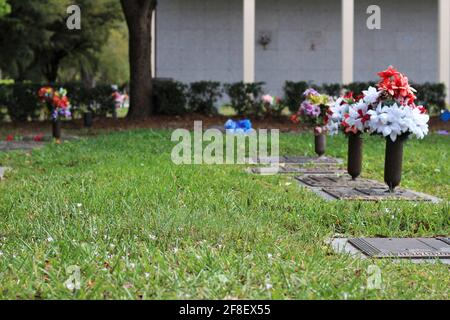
<point>138,14</point>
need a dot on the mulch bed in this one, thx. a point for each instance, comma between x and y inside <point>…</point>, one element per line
<point>167,122</point>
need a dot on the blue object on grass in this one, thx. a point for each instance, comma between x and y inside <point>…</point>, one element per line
<point>240,126</point>
<point>445,116</point>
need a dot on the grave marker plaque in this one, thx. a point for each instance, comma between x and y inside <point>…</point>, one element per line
<point>417,248</point>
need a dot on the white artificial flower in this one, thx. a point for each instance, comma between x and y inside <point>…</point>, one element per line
<point>336,116</point>
<point>356,116</point>
<point>371,95</point>
<point>395,120</point>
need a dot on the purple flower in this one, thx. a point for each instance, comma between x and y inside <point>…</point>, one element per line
<point>310,92</point>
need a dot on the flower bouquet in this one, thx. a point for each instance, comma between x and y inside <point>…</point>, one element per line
<point>314,112</point>
<point>273,105</point>
<point>388,110</point>
<point>395,116</point>
<point>58,105</point>
<point>350,114</point>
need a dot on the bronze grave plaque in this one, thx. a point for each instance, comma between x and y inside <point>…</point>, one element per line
<point>414,248</point>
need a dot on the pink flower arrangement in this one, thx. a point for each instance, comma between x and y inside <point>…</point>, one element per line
<point>389,109</point>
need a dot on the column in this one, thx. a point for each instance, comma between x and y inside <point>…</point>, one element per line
<point>444,45</point>
<point>348,22</point>
<point>153,35</point>
<point>249,40</point>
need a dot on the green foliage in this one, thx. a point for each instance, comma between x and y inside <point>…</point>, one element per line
<point>293,94</point>
<point>35,40</point>
<point>170,97</point>
<point>245,98</point>
<point>21,101</point>
<point>203,97</point>
<point>431,95</point>
<point>5,8</point>
<point>358,87</point>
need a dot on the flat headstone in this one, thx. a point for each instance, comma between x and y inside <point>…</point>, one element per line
<point>323,170</point>
<point>312,160</point>
<point>336,187</point>
<point>423,248</point>
<point>344,181</point>
<point>416,250</point>
<point>19,145</point>
<point>296,160</point>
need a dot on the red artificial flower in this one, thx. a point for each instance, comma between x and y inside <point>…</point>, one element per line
<point>388,73</point>
<point>422,109</point>
<point>294,119</point>
<point>364,117</point>
<point>38,138</point>
<point>349,95</point>
<point>10,137</point>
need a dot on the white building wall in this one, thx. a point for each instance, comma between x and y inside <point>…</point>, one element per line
<point>203,40</point>
<point>200,40</point>
<point>408,39</point>
<point>306,42</point>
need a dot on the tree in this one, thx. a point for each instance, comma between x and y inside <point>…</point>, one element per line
<point>138,14</point>
<point>36,41</point>
<point>5,8</point>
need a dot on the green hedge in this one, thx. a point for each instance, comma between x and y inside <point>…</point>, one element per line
<point>20,102</point>
<point>431,95</point>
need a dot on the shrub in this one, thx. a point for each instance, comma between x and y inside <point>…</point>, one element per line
<point>245,98</point>
<point>431,95</point>
<point>358,87</point>
<point>332,89</point>
<point>21,101</point>
<point>169,97</point>
<point>293,94</point>
<point>203,97</point>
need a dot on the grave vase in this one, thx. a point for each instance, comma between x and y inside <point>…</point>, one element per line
<point>87,119</point>
<point>320,143</point>
<point>56,129</point>
<point>393,161</point>
<point>355,155</point>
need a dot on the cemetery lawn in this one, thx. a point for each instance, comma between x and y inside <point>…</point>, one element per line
<point>139,227</point>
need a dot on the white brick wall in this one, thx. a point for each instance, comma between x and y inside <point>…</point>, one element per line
<point>306,42</point>
<point>202,40</point>
<point>408,39</point>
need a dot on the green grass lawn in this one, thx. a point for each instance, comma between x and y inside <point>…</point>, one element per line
<point>138,226</point>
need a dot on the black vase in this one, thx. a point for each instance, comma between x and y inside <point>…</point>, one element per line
<point>320,143</point>
<point>87,118</point>
<point>393,161</point>
<point>355,155</point>
<point>56,129</point>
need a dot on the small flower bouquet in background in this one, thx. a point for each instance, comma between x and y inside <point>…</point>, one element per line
<point>56,101</point>
<point>314,112</point>
<point>273,105</point>
<point>58,105</point>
